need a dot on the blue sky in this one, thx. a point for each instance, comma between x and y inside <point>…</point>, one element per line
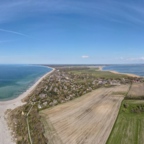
<point>71,31</point>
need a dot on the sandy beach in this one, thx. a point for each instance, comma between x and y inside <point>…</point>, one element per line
<point>6,134</point>
<point>115,72</point>
<point>128,74</point>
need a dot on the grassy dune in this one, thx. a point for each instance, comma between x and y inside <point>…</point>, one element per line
<point>129,127</point>
<point>88,119</point>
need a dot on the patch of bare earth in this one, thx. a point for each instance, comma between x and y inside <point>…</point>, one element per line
<point>85,120</point>
<point>137,89</point>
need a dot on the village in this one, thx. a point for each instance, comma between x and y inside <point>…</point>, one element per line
<point>63,85</point>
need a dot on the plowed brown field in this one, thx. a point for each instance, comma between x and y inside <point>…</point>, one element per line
<point>137,89</point>
<point>85,120</point>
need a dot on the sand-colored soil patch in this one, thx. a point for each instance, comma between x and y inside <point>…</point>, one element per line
<point>85,120</point>
<point>137,89</point>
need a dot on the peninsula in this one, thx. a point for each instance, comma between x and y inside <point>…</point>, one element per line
<point>79,92</point>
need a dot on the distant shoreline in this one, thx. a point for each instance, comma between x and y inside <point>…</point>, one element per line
<point>115,72</point>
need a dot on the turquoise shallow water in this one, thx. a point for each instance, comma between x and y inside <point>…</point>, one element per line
<point>137,69</point>
<point>16,79</point>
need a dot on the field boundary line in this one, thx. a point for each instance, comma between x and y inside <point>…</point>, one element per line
<point>118,114</point>
<point>27,121</point>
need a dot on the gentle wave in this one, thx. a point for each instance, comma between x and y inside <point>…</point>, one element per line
<point>16,79</point>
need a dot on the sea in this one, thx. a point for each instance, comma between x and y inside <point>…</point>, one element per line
<point>16,79</point>
<point>137,69</point>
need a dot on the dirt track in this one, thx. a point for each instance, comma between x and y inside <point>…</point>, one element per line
<point>85,120</point>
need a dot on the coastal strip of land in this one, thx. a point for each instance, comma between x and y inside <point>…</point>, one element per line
<point>115,72</point>
<point>65,84</point>
<point>6,106</point>
<point>128,74</point>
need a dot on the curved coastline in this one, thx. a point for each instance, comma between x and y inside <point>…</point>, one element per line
<point>128,74</point>
<point>6,134</point>
<point>115,72</point>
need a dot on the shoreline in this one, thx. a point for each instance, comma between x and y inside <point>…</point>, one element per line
<point>5,132</point>
<point>128,74</point>
<point>115,72</point>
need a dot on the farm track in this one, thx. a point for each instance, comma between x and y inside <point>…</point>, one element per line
<point>85,120</point>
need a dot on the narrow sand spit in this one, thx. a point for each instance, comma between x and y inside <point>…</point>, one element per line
<point>115,72</point>
<point>128,74</point>
<point>5,133</point>
<point>85,120</point>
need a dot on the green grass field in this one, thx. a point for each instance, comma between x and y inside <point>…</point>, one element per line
<point>99,74</point>
<point>129,127</point>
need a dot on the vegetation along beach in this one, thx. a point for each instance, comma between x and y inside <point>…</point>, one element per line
<point>5,109</point>
<point>72,98</point>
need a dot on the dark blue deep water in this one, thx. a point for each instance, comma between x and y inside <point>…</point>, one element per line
<point>133,69</point>
<point>16,79</point>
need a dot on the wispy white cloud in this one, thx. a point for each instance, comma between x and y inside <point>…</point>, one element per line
<point>14,32</point>
<point>85,56</point>
<point>114,11</point>
<point>11,10</point>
